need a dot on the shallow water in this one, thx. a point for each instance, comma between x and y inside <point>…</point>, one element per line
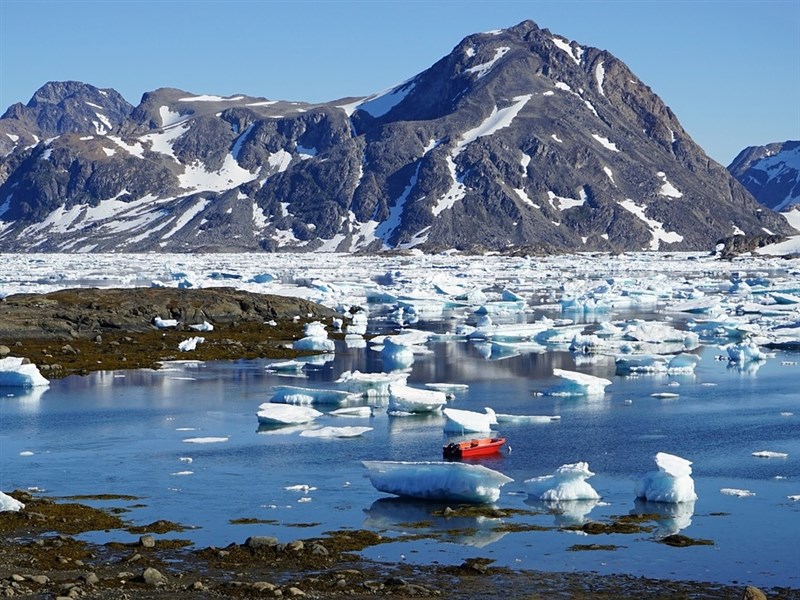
<point>126,432</point>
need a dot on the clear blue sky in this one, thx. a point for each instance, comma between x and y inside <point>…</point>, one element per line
<point>730,70</point>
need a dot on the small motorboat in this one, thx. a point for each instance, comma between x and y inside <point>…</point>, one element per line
<point>472,448</point>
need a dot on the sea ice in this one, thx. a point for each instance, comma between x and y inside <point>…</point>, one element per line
<point>671,483</point>
<point>520,419</point>
<point>291,394</point>
<point>407,399</point>
<point>770,454</point>
<point>745,352</point>
<point>16,372</point>
<point>285,414</point>
<point>468,421</point>
<point>204,326</point>
<point>449,481</point>
<point>370,385</point>
<point>736,492</point>
<point>316,339</point>
<point>9,504</point>
<point>568,482</point>
<point>579,384</point>
<point>164,323</point>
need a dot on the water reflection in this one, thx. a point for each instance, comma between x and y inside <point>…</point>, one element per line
<point>403,515</point>
<point>27,398</point>
<point>567,513</point>
<point>670,517</point>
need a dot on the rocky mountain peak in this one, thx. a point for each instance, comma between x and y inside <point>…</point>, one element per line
<point>518,140</point>
<point>771,173</point>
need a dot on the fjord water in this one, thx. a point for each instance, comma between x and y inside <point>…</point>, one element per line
<point>126,433</point>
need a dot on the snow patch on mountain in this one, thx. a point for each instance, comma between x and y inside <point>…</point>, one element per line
<point>656,228</point>
<point>484,68</point>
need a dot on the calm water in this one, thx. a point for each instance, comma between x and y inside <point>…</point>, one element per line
<point>125,432</point>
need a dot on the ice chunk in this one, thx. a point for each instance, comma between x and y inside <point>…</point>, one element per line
<point>16,372</point>
<point>352,411</point>
<point>745,352</point>
<point>452,481</point>
<point>9,504</point>
<point>165,323</point>
<point>406,399</point>
<point>316,339</point>
<point>396,356</point>
<point>520,419</point>
<point>371,385</point>
<point>204,326</point>
<point>579,384</point>
<point>205,440</point>
<point>190,344</point>
<point>671,483</point>
<point>770,454</point>
<point>468,421</point>
<point>285,414</point>
<point>568,482</point>
<point>335,432</point>
<point>736,492</point>
<point>291,394</point>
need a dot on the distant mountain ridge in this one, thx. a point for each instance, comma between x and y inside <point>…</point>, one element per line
<point>516,141</point>
<point>771,173</point>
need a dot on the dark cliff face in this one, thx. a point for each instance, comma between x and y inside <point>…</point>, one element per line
<point>518,139</point>
<point>771,173</point>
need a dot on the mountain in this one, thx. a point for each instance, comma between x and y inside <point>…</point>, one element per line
<point>518,140</point>
<point>771,173</point>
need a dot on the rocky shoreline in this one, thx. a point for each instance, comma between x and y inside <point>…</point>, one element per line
<point>41,557</point>
<point>77,331</point>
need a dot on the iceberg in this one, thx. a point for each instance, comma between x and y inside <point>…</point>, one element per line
<point>447,481</point>
<point>745,352</point>
<point>370,385</point>
<point>285,414</point>
<point>568,482</point>
<point>316,339</point>
<point>671,483</point>
<point>406,399</point>
<point>18,372</point>
<point>290,394</point>
<point>579,384</point>
<point>9,504</point>
<point>468,421</point>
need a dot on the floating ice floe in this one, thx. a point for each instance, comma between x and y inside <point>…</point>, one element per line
<point>468,421</point>
<point>521,419</point>
<point>451,388</point>
<point>352,411</point>
<point>656,363</point>
<point>9,504</point>
<point>736,492</point>
<point>285,414</point>
<point>448,481</point>
<point>579,384</point>
<point>286,366</point>
<point>205,440</point>
<point>370,385</point>
<point>335,432</point>
<point>190,344</point>
<point>671,483</point>
<point>316,339</point>
<point>770,454</point>
<point>568,482</point>
<point>17,372</point>
<point>407,399</point>
<point>291,394</point>
<point>745,352</point>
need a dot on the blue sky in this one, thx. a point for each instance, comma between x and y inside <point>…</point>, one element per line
<point>730,70</point>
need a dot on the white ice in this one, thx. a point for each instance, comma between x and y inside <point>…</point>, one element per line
<point>671,483</point>
<point>407,399</point>
<point>190,344</point>
<point>16,372</point>
<point>9,504</point>
<point>370,385</point>
<point>468,421</point>
<point>745,352</point>
<point>522,419</point>
<point>316,339</point>
<point>579,384</point>
<point>770,454</point>
<point>165,323</point>
<point>290,394</point>
<point>568,482</point>
<point>285,414</point>
<point>448,481</point>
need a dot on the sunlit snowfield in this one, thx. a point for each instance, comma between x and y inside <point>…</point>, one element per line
<point>127,432</point>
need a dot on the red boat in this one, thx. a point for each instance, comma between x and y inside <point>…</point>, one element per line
<point>471,448</point>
